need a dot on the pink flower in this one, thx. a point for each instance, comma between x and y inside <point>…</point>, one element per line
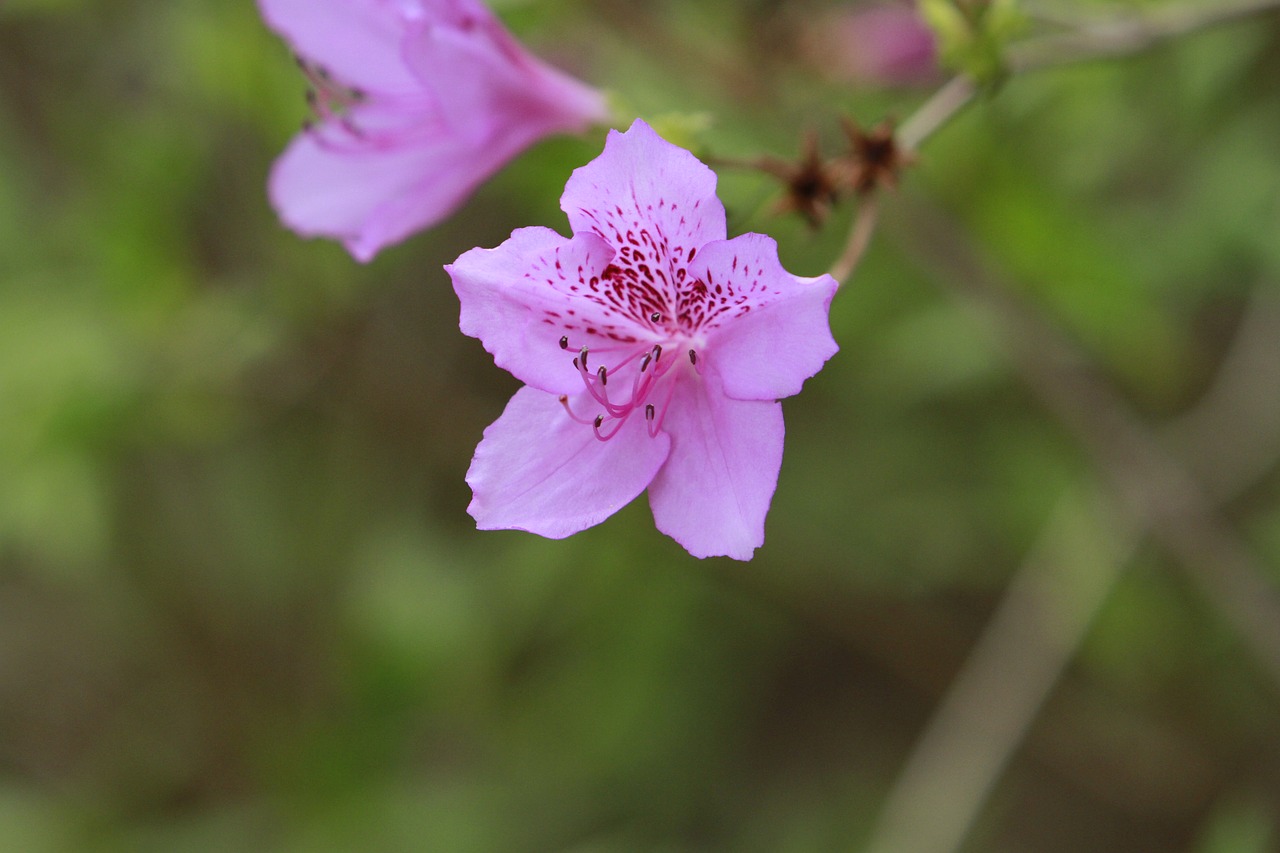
<point>417,102</point>
<point>885,45</point>
<point>654,352</point>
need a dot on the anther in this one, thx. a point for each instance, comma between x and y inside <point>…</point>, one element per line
<point>648,411</point>
<point>603,374</point>
<point>599,421</point>
<point>656,352</point>
<point>583,356</point>
<point>655,317</point>
<point>564,342</point>
<point>644,362</point>
<point>564,398</point>
<point>693,357</point>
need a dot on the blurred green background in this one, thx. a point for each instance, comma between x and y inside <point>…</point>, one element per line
<point>242,606</point>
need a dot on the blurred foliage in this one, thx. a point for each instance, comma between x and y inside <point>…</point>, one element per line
<point>973,34</point>
<point>242,606</point>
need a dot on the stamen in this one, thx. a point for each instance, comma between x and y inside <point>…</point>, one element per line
<point>611,433</point>
<point>693,358</point>
<point>611,415</point>
<point>564,401</point>
<point>655,317</point>
<point>596,389</point>
<point>327,98</point>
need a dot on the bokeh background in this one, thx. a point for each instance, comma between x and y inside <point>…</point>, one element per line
<point>242,606</point>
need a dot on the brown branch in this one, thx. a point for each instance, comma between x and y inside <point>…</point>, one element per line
<point>1116,37</point>
<point>1123,36</point>
<point>864,226</point>
<point>1055,595</point>
<point>1013,667</point>
<point>1042,619</point>
<point>1148,483</point>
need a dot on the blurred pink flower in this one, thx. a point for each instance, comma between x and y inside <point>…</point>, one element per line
<point>885,45</point>
<point>417,102</point>
<point>654,351</point>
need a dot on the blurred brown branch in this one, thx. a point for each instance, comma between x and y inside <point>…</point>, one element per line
<point>1149,484</point>
<point>1053,598</point>
<point>860,233</point>
<point>1114,36</point>
<point>997,694</point>
<point>1119,35</point>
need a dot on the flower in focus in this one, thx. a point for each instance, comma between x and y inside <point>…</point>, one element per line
<point>416,103</point>
<point>653,352</point>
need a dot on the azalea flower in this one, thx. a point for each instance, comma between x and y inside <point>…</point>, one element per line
<point>653,352</point>
<point>417,102</point>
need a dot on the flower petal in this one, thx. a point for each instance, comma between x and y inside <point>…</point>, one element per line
<point>714,492</point>
<point>357,41</point>
<point>648,194</point>
<point>370,196</point>
<point>521,298</point>
<point>539,470</point>
<point>774,332</point>
<point>453,13</point>
<point>487,84</point>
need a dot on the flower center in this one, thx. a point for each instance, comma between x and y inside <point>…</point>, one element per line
<point>329,100</point>
<point>652,372</point>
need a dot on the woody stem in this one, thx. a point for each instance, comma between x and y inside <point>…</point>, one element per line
<point>1117,36</point>
<point>864,225</point>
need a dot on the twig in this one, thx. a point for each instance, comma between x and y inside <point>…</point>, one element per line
<point>1010,671</point>
<point>1089,40</point>
<point>935,112</point>
<point>1234,431</point>
<point>1122,36</point>
<point>1149,484</point>
<point>864,225</point>
<point>1115,37</point>
<point>1021,654</point>
<point>1041,621</point>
